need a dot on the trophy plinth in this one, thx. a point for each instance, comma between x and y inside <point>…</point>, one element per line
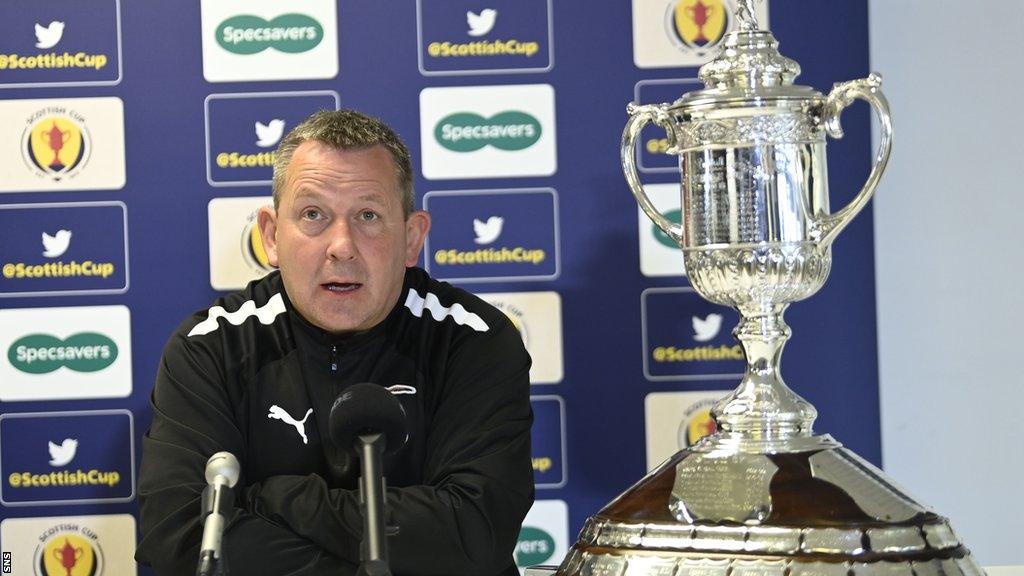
<point>764,495</point>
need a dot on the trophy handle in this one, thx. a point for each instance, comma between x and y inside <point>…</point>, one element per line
<point>640,116</point>
<point>841,96</point>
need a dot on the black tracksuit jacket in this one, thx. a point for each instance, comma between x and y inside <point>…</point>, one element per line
<point>252,377</point>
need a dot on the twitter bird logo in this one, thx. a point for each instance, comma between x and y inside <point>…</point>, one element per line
<point>487,232</point>
<point>269,134</point>
<point>705,329</point>
<point>54,246</point>
<point>61,454</point>
<point>480,24</point>
<point>49,36</point>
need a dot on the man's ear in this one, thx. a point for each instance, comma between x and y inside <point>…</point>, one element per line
<point>416,228</point>
<point>266,219</point>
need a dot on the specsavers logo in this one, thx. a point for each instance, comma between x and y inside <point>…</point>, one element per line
<point>535,546</point>
<point>544,537</point>
<point>659,254</point>
<point>64,353</point>
<point>245,40</point>
<point>468,132</point>
<point>290,33</point>
<point>44,353</point>
<point>488,131</point>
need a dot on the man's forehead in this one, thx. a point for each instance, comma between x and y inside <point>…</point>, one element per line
<point>317,168</point>
<point>320,151</point>
<point>316,193</point>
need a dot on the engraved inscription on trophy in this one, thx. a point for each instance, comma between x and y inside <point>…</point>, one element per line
<point>650,566</point>
<point>871,493</point>
<point>717,487</point>
<point>604,566</point>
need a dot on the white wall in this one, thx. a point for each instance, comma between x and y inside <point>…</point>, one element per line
<point>949,235</point>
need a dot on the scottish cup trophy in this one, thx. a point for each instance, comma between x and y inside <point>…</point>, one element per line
<point>764,495</point>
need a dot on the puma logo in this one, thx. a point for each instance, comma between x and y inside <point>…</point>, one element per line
<point>278,413</point>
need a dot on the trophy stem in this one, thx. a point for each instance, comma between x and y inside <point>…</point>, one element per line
<point>763,408</point>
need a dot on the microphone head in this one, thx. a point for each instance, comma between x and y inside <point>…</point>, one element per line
<point>223,464</point>
<point>365,409</point>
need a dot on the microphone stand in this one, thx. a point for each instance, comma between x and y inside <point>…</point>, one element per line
<point>216,504</point>
<point>374,549</point>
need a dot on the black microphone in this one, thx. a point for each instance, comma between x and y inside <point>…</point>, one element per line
<point>370,420</point>
<point>222,472</point>
<point>368,409</point>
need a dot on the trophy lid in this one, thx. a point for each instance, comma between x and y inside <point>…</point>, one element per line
<point>749,70</point>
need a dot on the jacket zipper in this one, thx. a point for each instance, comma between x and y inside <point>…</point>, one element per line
<point>334,359</point>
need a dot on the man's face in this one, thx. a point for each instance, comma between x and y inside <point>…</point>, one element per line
<point>340,237</point>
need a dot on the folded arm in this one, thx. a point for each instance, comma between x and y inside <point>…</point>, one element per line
<point>192,420</point>
<point>478,476</point>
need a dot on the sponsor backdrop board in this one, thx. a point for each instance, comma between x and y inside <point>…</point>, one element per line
<point>60,44</point>
<point>236,247</point>
<point>62,144</point>
<point>67,457</point>
<point>91,545</point>
<point>62,249</point>
<point>544,537</point>
<point>65,353</point>
<point>243,131</point>
<point>136,137</point>
<point>492,235</point>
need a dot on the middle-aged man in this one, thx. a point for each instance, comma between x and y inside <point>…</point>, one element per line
<point>257,373</point>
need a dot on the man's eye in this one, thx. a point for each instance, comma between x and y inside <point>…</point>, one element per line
<point>311,214</point>
<point>368,216</point>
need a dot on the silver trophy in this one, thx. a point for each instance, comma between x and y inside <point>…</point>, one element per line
<point>764,495</point>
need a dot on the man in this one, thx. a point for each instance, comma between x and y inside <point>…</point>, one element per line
<point>257,373</point>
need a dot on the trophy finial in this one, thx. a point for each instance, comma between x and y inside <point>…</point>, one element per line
<point>745,13</point>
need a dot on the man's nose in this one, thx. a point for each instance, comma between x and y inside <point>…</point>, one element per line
<point>342,242</point>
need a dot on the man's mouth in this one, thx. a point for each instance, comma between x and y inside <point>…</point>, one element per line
<point>339,287</point>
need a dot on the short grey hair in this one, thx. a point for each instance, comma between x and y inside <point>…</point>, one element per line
<point>346,130</point>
